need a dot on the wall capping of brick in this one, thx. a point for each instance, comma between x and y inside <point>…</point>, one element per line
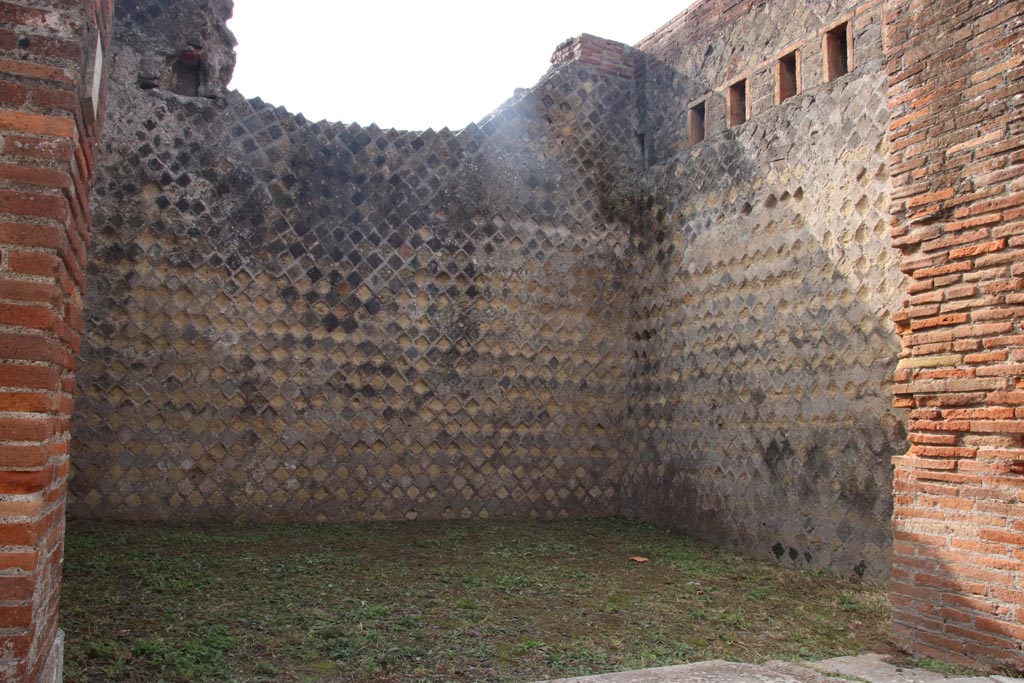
<point>605,56</point>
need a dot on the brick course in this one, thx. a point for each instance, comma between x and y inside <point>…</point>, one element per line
<point>955,81</point>
<point>45,169</point>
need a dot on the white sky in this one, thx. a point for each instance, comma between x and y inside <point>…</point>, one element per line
<point>416,64</point>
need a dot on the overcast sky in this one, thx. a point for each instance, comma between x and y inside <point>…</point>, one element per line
<point>416,64</point>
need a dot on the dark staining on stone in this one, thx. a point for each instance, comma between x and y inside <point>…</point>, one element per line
<point>779,451</point>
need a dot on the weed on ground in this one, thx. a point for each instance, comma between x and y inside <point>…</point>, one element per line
<point>436,602</point>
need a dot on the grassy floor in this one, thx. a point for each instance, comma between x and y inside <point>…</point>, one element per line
<point>435,602</point>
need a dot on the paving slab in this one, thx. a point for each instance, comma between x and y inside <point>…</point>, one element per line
<point>712,672</point>
<point>876,669</point>
<point>871,668</point>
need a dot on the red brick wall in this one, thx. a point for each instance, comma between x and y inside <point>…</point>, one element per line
<point>957,161</point>
<point>47,144</point>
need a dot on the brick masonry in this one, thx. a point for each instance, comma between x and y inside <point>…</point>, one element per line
<point>956,82</point>
<point>47,152</point>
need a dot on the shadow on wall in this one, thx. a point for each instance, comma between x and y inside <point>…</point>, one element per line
<point>762,356</point>
<point>321,322</point>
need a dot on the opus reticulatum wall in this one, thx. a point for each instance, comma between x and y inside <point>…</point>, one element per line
<point>760,409</point>
<point>314,321</point>
<point>318,321</point>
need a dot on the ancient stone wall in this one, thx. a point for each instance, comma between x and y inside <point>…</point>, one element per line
<point>761,345</point>
<point>319,321</point>
<point>51,111</point>
<point>957,157</point>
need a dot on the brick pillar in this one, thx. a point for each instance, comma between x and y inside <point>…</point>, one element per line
<point>49,118</point>
<point>956,81</point>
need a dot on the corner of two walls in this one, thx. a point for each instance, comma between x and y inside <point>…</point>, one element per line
<point>762,349</point>
<point>322,322</point>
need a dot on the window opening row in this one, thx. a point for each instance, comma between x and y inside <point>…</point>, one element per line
<point>836,47</point>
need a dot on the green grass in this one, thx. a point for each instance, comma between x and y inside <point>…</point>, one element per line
<point>946,668</point>
<point>435,602</point>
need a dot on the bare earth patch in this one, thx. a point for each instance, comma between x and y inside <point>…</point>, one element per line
<point>436,602</point>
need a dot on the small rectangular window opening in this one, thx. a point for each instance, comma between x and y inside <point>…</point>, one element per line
<point>698,116</point>
<point>736,103</point>
<point>186,78</point>
<point>787,79</point>
<point>837,52</point>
